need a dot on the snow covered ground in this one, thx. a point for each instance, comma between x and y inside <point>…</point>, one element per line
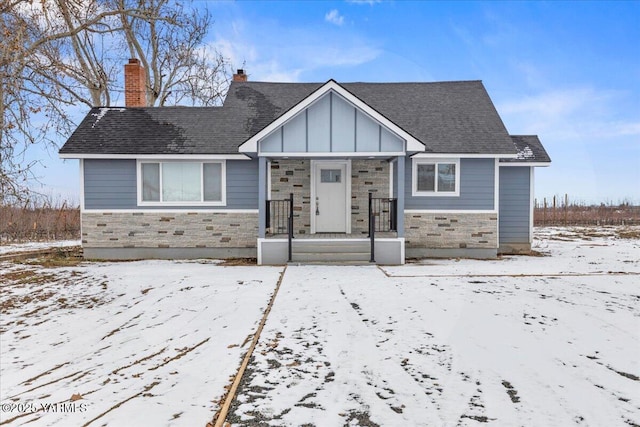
<point>34,246</point>
<point>552,340</point>
<point>439,344</point>
<point>135,344</point>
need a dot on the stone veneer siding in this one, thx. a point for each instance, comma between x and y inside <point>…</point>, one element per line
<point>366,176</point>
<point>451,230</point>
<point>169,230</point>
<point>294,176</point>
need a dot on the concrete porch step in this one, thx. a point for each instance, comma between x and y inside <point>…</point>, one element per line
<point>311,257</point>
<point>331,251</point>
<point>330,247</point>
<point>318,251</point>
<point>340,263</point>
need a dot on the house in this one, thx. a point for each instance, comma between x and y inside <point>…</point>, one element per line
<point>308,172</point>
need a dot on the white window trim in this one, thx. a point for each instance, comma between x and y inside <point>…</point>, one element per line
<point>269,180</point>
<point>82,208</point>
<point>391,180</point>
<point>223,172</point>
<point>532,200</point>
<point>433,161</point>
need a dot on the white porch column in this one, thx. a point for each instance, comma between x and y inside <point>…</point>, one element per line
<point>262,196</point>
<point>400,167</point>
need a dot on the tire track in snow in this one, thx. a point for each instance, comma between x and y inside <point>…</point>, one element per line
<point>146,389</point>
<point>324,356</point>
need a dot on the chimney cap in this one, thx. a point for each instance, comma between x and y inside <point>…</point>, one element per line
<point>240,76</point>
<point>134,61</point>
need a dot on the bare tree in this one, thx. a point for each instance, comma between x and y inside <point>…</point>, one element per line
<point>179,69</point>
<point>60,57</point>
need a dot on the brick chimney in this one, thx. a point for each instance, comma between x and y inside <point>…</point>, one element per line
<point>135,90</point>
<point>240,76</point>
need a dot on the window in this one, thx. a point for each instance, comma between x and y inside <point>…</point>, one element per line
<point>330,175</point>
<point>182,183</point>
<point>436,177</point>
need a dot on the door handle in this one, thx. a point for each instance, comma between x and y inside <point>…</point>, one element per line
<point>317,207</point>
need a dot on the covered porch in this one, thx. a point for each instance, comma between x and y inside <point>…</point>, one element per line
<point>331,182</point>
<point>332,210</point>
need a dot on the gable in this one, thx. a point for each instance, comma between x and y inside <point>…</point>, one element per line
<point>326,121</point>
<point>331,124</point>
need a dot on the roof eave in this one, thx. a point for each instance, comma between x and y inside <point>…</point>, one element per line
<point>154,156</point>
<point>465,155</point>
<point>525,163</point>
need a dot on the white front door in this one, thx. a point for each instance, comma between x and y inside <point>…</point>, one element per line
<point>329,204</point>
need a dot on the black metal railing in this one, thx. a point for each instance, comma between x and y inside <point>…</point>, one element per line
<point>383,216</point>
<point>277,216</point>
<point>383,213</point>
<point>279,219</point>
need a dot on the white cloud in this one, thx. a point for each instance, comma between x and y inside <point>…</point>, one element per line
<point>274,71</point>
<point>369,2</point>
<point>583,114</point>
<point>592,136</point>
<point>334,17</point>
<point>243,54</point>
<point>236,51</point>
<point>463,33</point>
<point>279,53</point>
<point>532,74</point>
<point>560,102</point>
<point>332,56</point>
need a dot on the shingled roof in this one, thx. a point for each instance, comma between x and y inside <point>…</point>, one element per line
<point>447,117</point>
<point>530,150</point>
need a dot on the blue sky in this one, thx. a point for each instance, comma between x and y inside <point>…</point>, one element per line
<point>566,71</point>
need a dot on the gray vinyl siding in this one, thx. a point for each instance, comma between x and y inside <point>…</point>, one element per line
<point>476,188</point>
<point>515,208</point>
<point>242,184</point>
<point>111,184</point>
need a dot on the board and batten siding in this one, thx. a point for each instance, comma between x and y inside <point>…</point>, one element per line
<point>331,125</point>
<point>515,204</point>
<point>476,188</point>
<point>111,184</point>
